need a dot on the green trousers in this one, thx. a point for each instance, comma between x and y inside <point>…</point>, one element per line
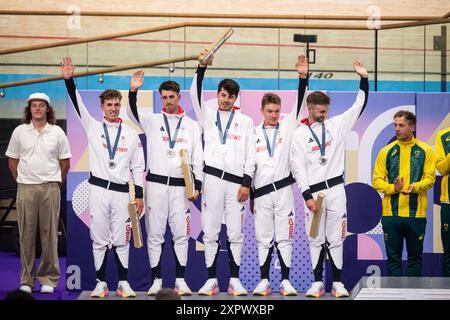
<point>445,222</point>
<point>396,231</point>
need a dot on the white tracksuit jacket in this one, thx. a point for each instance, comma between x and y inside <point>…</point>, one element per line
<point>166,203</point>
<point>109,217</point>
<point>305,166</point>
<point>238,158</point>
<point>274,212</point>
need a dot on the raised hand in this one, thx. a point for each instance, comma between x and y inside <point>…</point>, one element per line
<point>137,80</point>
<point>67,68</point>
<point>203,54</point>
<point>302,66</point>
<point>359,68</point>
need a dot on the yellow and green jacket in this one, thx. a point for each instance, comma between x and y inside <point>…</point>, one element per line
<point>413,161</point>
<point>443,162</point>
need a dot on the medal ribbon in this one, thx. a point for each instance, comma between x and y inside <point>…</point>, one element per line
<point>112,152</point>
<point>274,144</point>
<point>222,136</point>
<point>321,146</point>
<point>175,135</point>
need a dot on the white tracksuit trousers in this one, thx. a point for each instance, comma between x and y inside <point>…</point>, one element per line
<point>109,223</point>
<point>332,226</point>
<point>220,201</point>
<point>167,204</point>
<point>274,220</point>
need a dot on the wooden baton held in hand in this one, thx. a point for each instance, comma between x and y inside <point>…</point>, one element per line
<point>134,218</point>
<point>316,218</point>
<point>187,173</point>
<point>206,59</point>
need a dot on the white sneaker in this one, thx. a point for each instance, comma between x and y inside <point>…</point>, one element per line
<point>338,290</point>
<point>124,290</point>
<point>235,288</point>
<point>156,286</point>
<point>182,288</point>
<point>286,288</point>
<point>316,290</point>
<point>101,290</point>
<point>210,288</point>
<point>25,288</point>
<point>47,289</point>
<point>263,288</point>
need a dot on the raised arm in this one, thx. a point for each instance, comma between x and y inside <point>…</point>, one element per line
<point>137,80</point>
<point>196,91</point>
<point>348,119</point>
<point>67,71</point>
<point>299,109</point>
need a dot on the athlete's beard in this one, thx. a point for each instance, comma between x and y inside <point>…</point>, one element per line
<point>319,119</point>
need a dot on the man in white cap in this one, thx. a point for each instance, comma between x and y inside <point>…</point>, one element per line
<point>39,159</point>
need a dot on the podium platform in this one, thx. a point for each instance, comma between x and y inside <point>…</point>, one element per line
<point>401,288</point>
<point>141,295</point>
<point>367,288</point>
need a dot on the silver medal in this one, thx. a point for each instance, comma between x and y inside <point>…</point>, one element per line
<point>223,148</point>
<point>323,161</point>
<point>111,164</point>
<point>170,153</point>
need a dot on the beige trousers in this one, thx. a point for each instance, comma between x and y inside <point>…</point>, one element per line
<point>38,205</point>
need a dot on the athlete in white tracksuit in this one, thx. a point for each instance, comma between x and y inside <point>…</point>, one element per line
<point>272,192</point>
<point>114,150</point>
<point>229,153</point>
<point>167,133</point>
<point>317,163</point>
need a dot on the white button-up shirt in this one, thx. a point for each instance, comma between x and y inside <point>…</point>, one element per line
<point>38,153</point>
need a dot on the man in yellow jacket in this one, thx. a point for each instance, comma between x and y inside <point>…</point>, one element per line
<point>404,171</point>
<point>443,166</point>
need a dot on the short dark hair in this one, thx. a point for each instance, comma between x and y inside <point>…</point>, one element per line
<point>318,97</point>
<point>270,97</point>
<point>109,94</point>
<point>409,116</point>
<point>167,294</point>
<point>169,86</point>
<point>229,86</point>
<point>26,118</point>
<point>18,295</point>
